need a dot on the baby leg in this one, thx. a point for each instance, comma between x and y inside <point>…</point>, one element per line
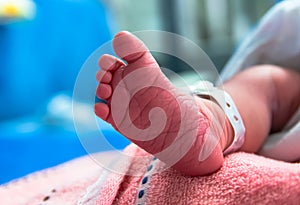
<point>267,96</point>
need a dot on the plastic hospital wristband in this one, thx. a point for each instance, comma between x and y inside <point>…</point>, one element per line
<point>207,90</point>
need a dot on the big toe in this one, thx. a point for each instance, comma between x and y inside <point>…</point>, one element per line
<point>131,49</point>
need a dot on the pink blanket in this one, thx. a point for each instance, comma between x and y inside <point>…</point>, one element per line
<point>243,179</point>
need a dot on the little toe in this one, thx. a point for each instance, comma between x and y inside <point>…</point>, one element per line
<point>131,49</point>
<point>103,76</point>
<point>104,91</point>
<point>110,63</point>
<point>101,110</point>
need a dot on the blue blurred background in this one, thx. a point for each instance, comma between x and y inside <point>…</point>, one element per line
<point>41,53</point>
<point>40,58</point>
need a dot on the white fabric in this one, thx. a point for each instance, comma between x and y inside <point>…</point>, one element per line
<point>276,40</point>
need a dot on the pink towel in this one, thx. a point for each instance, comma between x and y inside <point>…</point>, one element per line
<point>243,179</point>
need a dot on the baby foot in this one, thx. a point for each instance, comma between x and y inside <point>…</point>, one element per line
<point>141,103</point>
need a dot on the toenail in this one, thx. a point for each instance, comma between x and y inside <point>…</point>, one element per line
<point>107,61</point>
<point>122,33</point>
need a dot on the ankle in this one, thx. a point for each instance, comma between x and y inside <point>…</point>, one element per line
<point>227,133</point>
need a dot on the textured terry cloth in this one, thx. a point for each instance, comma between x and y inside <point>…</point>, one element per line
<point>63,184</point>
<point>276,40</point>
<point>244,179</point>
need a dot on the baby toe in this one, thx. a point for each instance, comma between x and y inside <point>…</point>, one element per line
<point>101,110</point>
<point>103,76</point>
<point>104,91</point>
<point>110,63</point>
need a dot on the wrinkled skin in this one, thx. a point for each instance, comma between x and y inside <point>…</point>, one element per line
<point>184,118</point>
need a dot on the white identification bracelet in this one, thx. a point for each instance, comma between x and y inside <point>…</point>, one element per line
<point>207,90</point>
